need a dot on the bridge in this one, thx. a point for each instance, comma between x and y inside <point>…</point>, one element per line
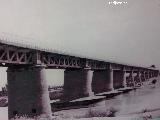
<point>83,77</point>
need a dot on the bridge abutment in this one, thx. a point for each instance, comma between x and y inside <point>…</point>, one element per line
<point>28,92</point>
<point>77,83</point>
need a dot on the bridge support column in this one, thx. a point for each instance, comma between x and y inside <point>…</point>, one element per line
<point>143,76</point>
<point>28,92</point>
<point>154,74</point>
<point>131,79</point>
<point>137,79</point>
<point>157,73</point>
<point>140,78</point>
<point>146,75</point>
<point>77,84</point>
<point>110,77</point>
<point>150,74</point>
<point>124,79</point>
<point>100,81</point>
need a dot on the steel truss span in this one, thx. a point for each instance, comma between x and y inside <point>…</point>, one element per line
<point>17,55</point>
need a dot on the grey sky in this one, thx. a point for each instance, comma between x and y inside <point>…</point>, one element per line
<point>128,33</point>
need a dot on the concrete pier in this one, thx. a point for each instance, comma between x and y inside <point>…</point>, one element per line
<point>118,79</point>
<point>100,81</point>
<point>142,76</point>
<point>110,77</point>
<point>124,84</point>
<point>137,79</point>
<point>131,82</point>
<point>103,81</point>
<point>28,92</point>
<point>145,75</point>
<point>77,84</point>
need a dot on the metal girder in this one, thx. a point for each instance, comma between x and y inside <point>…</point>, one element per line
<point>61,61</point>
<point>17,55</point>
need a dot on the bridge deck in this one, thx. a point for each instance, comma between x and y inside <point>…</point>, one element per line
<point>21,54</point>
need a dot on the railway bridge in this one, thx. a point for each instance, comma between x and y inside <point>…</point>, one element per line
<point>83,77</point>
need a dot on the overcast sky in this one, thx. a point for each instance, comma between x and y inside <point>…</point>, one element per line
<point>128,33</point>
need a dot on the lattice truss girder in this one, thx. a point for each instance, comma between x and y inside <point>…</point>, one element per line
<point>56,60</point>
<point>14,55</point>
<point>70,61</point>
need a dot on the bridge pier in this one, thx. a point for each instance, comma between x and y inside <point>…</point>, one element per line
<point>151,74</point>
<point>102,81</point>
<point>145,75</point>
<point>124,79</point>
<point>118,78</point>
<point>157,73</point>
<point>131,79</point>
<point>28,92</point>
<point>110,78</point>
<point>137,78</point>
<point>142,76</point>
<point>77,84</point>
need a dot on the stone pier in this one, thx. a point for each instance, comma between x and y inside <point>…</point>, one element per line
<point>124,78</point>
<point>77,84</point>
<point>102,81</point>
<point>28,92</point>
<point>110,78</point>
<point>118,79</point>
<point>137,79</point>
<point>146,76</point>
<point>142,76</point>
<point>131,82</point>
<point>150,75</point>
